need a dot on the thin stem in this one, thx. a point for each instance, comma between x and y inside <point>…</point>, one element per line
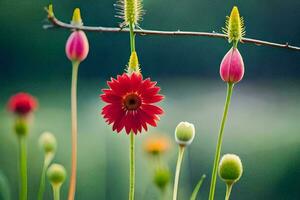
<point>23,166</point>
<point>47,160</point>
<point>228,191</point>
<point>219,143</point>
<point>72,186</point>
<point>132,37</point>
<point>55,23</point>
<point>56,192</point>
<point>177,173</point>
<point>132,168</point>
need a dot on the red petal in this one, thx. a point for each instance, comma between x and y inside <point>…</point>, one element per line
<point>152,110</point>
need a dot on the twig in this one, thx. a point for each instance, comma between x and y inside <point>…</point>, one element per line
<point>55,23</point>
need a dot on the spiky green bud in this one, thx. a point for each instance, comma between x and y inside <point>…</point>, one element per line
<point>131,11</point>
<point>234,26</point>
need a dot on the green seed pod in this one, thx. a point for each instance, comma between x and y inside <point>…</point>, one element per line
<point>234,26</point>
<point>47,142</point>
<point>230,168</point>
<point>184,133</point>
<point>56,174</point>
<point>21,127</point>
<point>162,178</point>
<point>131,11</point>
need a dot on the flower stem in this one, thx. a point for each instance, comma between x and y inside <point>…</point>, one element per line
<point>228,191</point>
<point>132,153</point>
<point>132,37</point>
<point>132,168</point>
<point>56,192</point>
<point>47,160</point>
<point>219,144</point>
<point>23,166</point>
<point>72,186</point>
<point>177,173</point>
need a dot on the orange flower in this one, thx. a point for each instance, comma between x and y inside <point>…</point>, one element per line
<point>156,145</point>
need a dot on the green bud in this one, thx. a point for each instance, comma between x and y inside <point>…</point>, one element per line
<point>56,174</point>
<point>230,168</point>
<point>162,177</point>
<point>184,133</point>
<point>21,127</point>
<point>47,142</point>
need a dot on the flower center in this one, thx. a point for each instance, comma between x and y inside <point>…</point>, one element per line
<point>132,101</point>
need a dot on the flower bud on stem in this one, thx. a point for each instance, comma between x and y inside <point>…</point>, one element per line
<point>48,143</point>
<point>230,171</point>
<point>56,175</point>
<point>77,48</point>
<point>184,136</point>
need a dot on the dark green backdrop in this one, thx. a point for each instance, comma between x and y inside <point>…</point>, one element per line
<point>263,126</point>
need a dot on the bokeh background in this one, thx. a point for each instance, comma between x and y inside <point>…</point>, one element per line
<point>263,126</point>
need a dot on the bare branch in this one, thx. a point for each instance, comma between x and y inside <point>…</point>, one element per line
<point>55,23</point>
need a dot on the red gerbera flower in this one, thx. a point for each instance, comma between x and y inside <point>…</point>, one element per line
<point>22,104</point>
<point>130,103</point>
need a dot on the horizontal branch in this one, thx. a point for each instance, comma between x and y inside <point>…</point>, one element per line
<point>59,24</point>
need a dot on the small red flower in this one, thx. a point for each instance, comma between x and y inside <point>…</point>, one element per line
<point>130,103</point>
<point>22,104</point>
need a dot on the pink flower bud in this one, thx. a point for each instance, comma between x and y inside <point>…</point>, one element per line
<point>77,47</point>
<point>232,66</point>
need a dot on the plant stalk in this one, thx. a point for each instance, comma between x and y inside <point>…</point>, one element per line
<point>177,172</point>
<point>219,143</point>
<point>132,167</point>
<point>47,160</point>
<point>228,191</point>
<point>56,192</point>
<point>72,187</point>
<point>23,166</point>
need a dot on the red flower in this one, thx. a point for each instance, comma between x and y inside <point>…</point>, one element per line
<point>130,103</point>
<point>22,104</point>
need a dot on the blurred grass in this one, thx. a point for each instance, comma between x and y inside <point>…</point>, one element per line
<point>263,128</point>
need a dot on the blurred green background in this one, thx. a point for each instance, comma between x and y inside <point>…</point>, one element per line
<point>263,126</point>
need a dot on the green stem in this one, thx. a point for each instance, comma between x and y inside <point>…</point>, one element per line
<point>132,37</point>
<point>177,173</point>
<point>72,186</point>
<point>132,168</point>
<point>132,153</point>
<point>219,144</point>
<point>47,160</point>
<point>228,191</point>
<point>23,166</point>
<point>56,192</point>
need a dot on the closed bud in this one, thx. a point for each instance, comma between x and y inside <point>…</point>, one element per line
<point>47,142</point>
<point>56,174</point>
<point>230,168</point>
<point>162,178</point>
<point>133,65</point>
<point>184,133</point>
<point>76,19</point>
<point>21,127</point>
<point>232,66</point>
<point>77,46</point>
